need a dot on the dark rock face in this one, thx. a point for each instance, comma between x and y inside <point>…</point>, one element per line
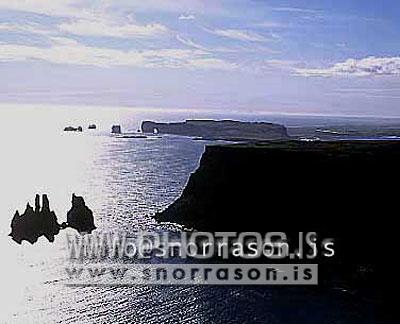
<point>80,217</point>
<point>34,223</point>
<point>92,126</point>
<point>222,130</point>
<point>341,190</point>
<point>73,129</point>
<point>265,182</point>
<point>116,129</point>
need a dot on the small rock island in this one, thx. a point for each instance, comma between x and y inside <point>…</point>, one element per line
<point>230,130</point>
<point>116,129</point>
<point>41,221</point>
<point>73,129</point>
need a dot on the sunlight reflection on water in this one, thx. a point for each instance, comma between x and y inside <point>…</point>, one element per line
<point>123,181</point>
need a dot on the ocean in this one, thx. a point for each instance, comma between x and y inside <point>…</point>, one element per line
<point>124,181</point>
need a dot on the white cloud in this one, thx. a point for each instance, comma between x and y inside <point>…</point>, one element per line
<point>282,64</point>
<point>220,49</point>
<point>186,17</point>
<point>104,27</point>
<point>239,34</point>
<point>211,63</point>
<point>83,27</point>
<point>62,8</point>
<point>82,8</point>
<point>368,66</point>
<point>94,22</point>
<point>268,66</point>
<point>296,10</point>
<point>190,43</point>
<point>84,20</point>
<point>26,28</point>
<point>175,6</point>
<point>270,24</point>
<point>68,51</point>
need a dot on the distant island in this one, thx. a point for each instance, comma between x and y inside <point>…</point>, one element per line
<point>73,129</point>
<point>219,129</point>
<point>116,129</point>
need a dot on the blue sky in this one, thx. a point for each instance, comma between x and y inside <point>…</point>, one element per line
<point>338,57</point>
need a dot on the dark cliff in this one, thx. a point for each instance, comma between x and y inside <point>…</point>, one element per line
<point>223,130</point>
<point>297,184</point>
<point>341,190</point>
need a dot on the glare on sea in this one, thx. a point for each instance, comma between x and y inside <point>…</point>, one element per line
<point>36,156</point>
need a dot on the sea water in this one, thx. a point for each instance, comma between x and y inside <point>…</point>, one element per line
<point>124,181</point>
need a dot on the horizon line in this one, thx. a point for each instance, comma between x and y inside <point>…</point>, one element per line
<point>255,112</point>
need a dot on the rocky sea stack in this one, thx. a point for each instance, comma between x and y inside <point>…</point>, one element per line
<point>80,217</point>
<point>34,223</point>
<point>116,129</point>
<point>41,221</point>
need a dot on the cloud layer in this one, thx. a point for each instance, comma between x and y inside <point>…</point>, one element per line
<point>68,51</point>
<point>368,66</point>
<point>104,28</point>
<point>239,34</point>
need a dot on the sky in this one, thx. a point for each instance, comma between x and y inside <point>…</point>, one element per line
<point>326,57</point>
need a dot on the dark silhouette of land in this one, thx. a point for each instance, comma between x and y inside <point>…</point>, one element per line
<point>343,190</point>
<point>41,221</point>
<point>73,129</point>
<point>219,129</point>
<point>116,129</point>
<point>80,217</point>
<point>34,223</point>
